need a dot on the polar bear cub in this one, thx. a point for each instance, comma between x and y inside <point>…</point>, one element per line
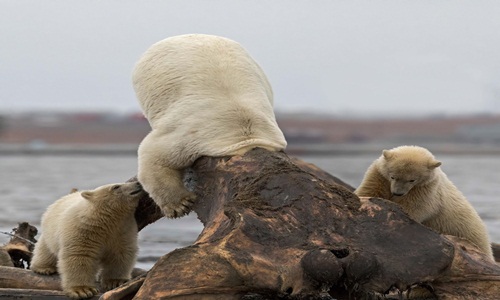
<point>87,232</point>
<point>411,177</point>
<point>203,95</point>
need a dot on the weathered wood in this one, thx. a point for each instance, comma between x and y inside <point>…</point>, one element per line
<point>35,294</point>
<point>496,251</point>
<point>277,227</point>
<point>125,291</point>
<point>18,278</point>
<point>19,247</point>
<point>5,259</point>
<point>470,275</point>
<point>274,229</point>
<point>148,212</point>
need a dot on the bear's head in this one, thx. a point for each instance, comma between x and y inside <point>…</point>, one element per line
<point>406,167</point>
<point>118,196</point>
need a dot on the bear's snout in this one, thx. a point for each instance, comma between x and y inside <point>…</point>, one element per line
<point>398,194</point>
<point>137,189</point>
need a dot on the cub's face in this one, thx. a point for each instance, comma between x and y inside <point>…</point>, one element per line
<point>403,180</point>
<point>404,172</point>
<point>119,195</point>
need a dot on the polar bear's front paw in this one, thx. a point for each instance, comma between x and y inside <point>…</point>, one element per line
<point>109,284</point>
<point>81,292</point>
<point>180,207</point>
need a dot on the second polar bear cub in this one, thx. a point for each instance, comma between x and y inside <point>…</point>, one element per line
<point>411,177</point>
<point>203,95</point>
<point>87,232</point>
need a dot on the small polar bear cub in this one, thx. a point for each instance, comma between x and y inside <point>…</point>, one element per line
<point>87,232</point>
<point>411,177</point>
<point>203,95</point>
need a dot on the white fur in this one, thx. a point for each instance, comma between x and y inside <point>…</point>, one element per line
<point>85,232</point>
<point>411,177</point>
<point>203,96</point>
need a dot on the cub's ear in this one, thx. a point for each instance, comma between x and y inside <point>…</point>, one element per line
<point>387,154</point>
<point>434,164</point>
<point>88,195</point>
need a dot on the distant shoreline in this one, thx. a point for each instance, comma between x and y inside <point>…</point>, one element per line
<point>294,149</point>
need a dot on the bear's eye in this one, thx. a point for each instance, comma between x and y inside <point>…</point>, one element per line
<point>115,187</point>
<point>392,177</point>
<point>413,180</point>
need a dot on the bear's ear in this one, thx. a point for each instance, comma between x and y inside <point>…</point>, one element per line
<point>387,154</point>
<point>88,195</point>
<point>434,164</point>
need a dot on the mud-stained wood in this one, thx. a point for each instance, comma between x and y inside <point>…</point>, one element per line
<point>470,276</point>
<point>316,171</point>
<point>496,251</point>
<point>18,278</point>
<point>20,246</point>
<point>274,229</point>
<point>126,290</point>
<point>148,212</point>
<point>35,294</point>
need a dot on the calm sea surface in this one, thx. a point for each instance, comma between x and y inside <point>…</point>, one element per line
<point>28,184</point>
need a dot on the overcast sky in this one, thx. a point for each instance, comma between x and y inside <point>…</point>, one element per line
<point>362,57</point>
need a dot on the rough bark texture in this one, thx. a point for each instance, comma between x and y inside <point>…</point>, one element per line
<point>279,228</point>
<point>148,212</point>
<point>496,251</point>
<point>34,294</point>
<point>17,278</point>
<point>276,228</point>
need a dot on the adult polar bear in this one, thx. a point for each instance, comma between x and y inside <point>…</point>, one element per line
<point>203,95</point>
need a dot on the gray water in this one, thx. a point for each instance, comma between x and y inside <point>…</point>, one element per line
<point>28,184</point>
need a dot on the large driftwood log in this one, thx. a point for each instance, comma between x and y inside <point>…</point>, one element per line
<point>275,228</point>
<point>19,278</point>
<point>148,212</point>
